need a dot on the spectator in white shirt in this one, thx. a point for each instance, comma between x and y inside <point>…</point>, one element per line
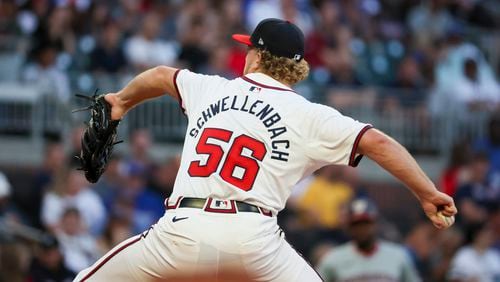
<point>69,190</point>
<point>78,247</point>
<point>145,49</point>
<point>45,75</point>
<point>477,261</point>
<point>473,92</point>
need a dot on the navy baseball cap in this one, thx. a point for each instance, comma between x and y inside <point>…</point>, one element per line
<point>281,38</point>
<point>362,209</point>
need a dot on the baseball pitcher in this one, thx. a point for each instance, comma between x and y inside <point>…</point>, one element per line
<point>248,141</point>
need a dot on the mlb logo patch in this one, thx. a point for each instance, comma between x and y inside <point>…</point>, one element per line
<point>255,89</point>
<point>221,204</point>
<point>224,206</point>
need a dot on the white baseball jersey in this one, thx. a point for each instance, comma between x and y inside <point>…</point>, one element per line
<point>252,139</point>
<point>388,263</point>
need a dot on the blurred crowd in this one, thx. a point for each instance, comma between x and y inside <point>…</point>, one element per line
<point>409,45</point>
<point>82,221</point>
<point>424,48</point>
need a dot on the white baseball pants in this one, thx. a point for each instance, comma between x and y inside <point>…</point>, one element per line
<point>188,240</point>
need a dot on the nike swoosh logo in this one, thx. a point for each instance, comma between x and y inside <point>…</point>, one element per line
<point>175,218</point>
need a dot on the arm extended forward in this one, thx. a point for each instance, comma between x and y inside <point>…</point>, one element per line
<point>394,158</point>
<point>149,84</point>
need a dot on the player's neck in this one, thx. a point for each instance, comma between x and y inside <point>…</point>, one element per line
<point>261,72</point>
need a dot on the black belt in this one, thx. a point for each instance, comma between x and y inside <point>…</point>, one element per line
<point>217,206</point>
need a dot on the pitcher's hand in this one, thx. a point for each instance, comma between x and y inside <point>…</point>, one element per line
<point>436,202</point>
<point>117,110</point>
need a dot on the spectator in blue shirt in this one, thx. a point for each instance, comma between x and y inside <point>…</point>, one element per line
<point>136,202</point>
<point>480,196</point>
<point>491,144</point>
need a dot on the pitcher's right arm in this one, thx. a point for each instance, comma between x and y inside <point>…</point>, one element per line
<point>394,158</point>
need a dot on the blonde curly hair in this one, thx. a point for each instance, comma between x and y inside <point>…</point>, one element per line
<point>283,69</point>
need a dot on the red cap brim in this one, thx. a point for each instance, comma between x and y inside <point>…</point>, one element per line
<point>242,38</point>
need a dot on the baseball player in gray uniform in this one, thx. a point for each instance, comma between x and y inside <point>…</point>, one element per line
<point>249,141</point>
<point>367,258</point>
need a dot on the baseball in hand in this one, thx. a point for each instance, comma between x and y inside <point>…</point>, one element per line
<point>448,220</point>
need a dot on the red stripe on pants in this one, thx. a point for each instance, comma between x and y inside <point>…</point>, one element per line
<point>109,257</point>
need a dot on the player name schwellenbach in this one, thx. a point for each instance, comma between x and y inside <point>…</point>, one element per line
<point>265,112</point>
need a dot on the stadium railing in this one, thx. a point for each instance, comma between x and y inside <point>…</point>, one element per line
<point>26,112</point>
<point>408,116</point>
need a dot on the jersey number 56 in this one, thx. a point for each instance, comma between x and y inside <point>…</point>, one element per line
<point>234,158</point>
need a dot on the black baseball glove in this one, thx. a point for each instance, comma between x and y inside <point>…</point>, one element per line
<point>98,139</point>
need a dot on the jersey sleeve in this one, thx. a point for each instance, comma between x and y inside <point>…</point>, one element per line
<point>332,137</point>
<point>194,88</point>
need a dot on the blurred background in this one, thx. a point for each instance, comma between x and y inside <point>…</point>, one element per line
<point>425,72</point>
